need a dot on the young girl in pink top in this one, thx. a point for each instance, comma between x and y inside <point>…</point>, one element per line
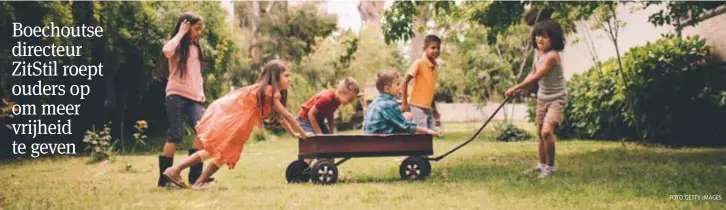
<point>228,122</point>
<point>184,89</point>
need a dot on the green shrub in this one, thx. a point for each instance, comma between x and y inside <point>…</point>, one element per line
<point>510,132</point>
<point>98,143</point>
<point>594,109</point>
<point>675,94</point>
<point>677,98</point>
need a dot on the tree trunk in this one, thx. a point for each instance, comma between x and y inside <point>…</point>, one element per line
<point>112,101</point>
<point>370,12</point>
<point>613,35</point>
<point>591,48</point>
<point>254,33</point>
<point>417,43</point>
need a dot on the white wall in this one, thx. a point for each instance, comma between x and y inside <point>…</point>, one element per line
<point>714,30</point>
<point>637,31</point>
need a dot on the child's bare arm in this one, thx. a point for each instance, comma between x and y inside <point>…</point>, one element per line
<point>314,120</point>
<point>170,47</point>
<point>551,60</point>
<point>285,116</point>
<point>404,92</point>
<point>286,126</point>
<point>426,131</point>
<point>331,124</point>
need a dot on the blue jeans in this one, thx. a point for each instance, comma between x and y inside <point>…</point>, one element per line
<point>176,108</point>
<point>423,117</point>
<point>307,126</point>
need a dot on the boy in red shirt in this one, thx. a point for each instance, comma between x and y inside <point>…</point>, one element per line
<point>322,107</point>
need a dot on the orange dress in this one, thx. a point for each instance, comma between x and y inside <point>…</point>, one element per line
<point>227,123</point>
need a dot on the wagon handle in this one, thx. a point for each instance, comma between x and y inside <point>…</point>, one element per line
<point>476,134</point>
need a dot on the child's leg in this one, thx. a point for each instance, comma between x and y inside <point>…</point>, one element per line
<point>172,173</point>
<point>189,161</point>
<point>169,149</point>
<point>539,121</point>
<point>541,152</point>
<point>430,122</point>
<point>208,172</point>
<point>308,128</point>
<point>174,134</point>
<point>193,110</point>
<point>549,143</point>
<point>419,117</point>
<point>194,113</point>
<point>553,117</point>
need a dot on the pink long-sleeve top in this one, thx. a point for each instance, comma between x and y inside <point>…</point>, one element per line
<point>192,85</point>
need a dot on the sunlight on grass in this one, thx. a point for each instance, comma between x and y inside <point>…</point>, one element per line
<point>485,174</point>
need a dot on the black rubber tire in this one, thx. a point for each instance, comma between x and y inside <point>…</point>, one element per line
<point>415,168</point>
<point>324,172</point>
<point>294,172</point>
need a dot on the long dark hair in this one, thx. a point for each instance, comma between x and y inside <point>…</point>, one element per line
<point>183,49</point>
<point>271,77</point>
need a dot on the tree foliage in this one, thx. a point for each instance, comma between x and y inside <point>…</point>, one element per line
<point>677,11</point>
<point>496,16</point>
<point>129,50</point>
<point>285,32</point>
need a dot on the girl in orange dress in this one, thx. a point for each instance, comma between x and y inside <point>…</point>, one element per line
<point>227,123</point>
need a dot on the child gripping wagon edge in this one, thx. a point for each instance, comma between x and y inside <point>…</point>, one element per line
<point>228,122</point>
<point>322,106</point>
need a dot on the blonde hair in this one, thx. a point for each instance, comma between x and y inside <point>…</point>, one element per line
<point>349,84</point>
<point>384,78</point>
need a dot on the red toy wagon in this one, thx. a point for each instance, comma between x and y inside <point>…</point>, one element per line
<point>323,148</point>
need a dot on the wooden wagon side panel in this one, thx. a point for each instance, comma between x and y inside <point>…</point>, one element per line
<point>366,145</point>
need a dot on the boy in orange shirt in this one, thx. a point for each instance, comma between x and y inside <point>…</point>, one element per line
<point>424,72</point>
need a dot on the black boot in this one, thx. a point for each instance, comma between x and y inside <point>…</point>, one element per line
<point>196,170</point>
<point>164,162</point>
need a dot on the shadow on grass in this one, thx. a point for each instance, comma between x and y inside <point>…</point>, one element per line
<point>629,172</point>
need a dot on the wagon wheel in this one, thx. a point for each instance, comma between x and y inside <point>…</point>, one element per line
<point>294,172</point>
<point>324,172</point>
<point>415,168</point>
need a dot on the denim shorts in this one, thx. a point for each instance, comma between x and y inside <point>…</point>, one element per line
<point>423,117</point>
<point>177,107</point>
<point>308,127</point>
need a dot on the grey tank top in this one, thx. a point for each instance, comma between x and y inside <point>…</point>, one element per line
<point>552,87</point>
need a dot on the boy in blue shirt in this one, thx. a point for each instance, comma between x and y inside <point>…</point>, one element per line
<point>384,115</point>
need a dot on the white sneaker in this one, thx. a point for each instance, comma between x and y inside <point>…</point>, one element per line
<point>547,171</point>
<point>536,169</point>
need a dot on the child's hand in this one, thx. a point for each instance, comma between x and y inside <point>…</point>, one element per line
<point>511,91</point>
<point>405,107</point>
<point>432,132</point>
<point>184,27</point>
<point>304,135</point>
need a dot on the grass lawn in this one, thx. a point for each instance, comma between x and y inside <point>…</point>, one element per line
<point>484,175</point>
